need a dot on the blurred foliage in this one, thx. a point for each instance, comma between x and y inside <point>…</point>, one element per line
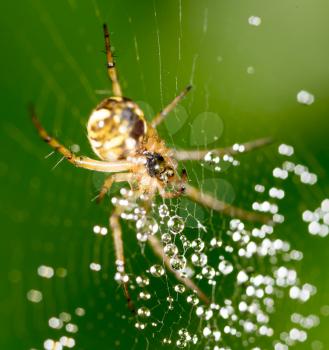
<point>53,56</point>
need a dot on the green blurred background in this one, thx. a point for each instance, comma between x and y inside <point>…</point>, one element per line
<point>52,55</point>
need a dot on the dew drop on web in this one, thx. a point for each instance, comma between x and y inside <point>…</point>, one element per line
<point>176,224</point>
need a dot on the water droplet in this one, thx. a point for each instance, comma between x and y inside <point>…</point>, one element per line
<point>206,331</point>
<point>178,262</point>
<point>34,296</point>
<point>305,97</point>
<point>157,270</point>
<point>183,238</point>
<point>142,281</point>
<point>225,267</point>
<point>199,311</point>
<point>166,238</point>
<point>254,21</point>
<point>142,237</point>
<point>208,315</point>
<point>55,323</point>
<point>197,245</point>
<point>143,312</point>
<point>242,277</point>
<point>186,244</point>
<point>286,150</point>
<point>95,267</point>
<point>195,339</point>
<point>144,295</point>
<point>176,224</point>
<point>170,249</point>
<point>184,338</point>
<point>193,299</point>
<point>250,70</point>
<point>163,210</point>
<point>146,226</point>
<point>181,343</point>
<point>208,272</point>
<point>75,148</point>
<point>140,325</point>
<point>183,332</point>
<point>180,288</point>
<point>45,271</point>
<point>199,259</point>
<point>79,311</point>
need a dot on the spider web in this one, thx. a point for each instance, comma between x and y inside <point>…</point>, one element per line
<point>251,272</point>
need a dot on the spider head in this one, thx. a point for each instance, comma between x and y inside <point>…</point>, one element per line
<point>116,128</point>
<point>156,166</point>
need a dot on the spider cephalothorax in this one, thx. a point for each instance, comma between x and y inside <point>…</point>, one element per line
<point>131,151</point>
<point>157,167</point>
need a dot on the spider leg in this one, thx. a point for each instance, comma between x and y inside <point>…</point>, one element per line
<point>107,184</point>
<point>80,161</point>
<point>159,118</point>
<point>170,195</point>
<point>121,177</point>
<point>119,255</point>
<point>158,250</point>
<point>232,150</point>
<point>222,207</point>
<point>111,70</point>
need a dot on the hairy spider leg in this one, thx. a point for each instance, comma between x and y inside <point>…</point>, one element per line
<point>114,222</point>
<point>200,154</point>
<point>111,70</point>
<point>170,195</point>
<point>80,161</point>
<point>108,182</point>
<point>157,248</point>
<point>222,207</point>
<point>159,118</point>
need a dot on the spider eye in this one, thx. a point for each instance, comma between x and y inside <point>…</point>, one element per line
<point>170,172</point>
<point>167,174</point>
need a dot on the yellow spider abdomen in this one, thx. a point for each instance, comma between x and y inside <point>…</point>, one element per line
<point>116,128</point>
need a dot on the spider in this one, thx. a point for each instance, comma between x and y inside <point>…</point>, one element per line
<point>130,150</point>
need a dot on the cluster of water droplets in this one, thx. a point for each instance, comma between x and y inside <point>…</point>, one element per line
<point>249,260</point>
<point>318,220</point>
<point>245,315</point>
<point>222,162</point>
<point>63,324</point>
